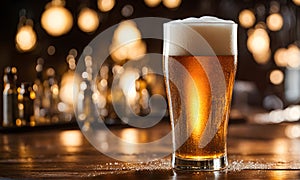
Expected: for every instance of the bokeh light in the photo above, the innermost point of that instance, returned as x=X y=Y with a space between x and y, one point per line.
x=280 y=57
x=105 y=5
x=262 y=57
x=292 y=113
x=128 y=84
x=71 y=138
x=288 y=57
x=126 y=33
x=258 y=41
x=88 y=20
x=260 y=9
x=152 y=3
x=274 y=7
x=73 y=52
x=293 y=56
x=247 y=18
x=69 y=87
x=51 y=50
x=293 y=131
x=127 y=10
x=289 y=114
x=275 y=22
x=56 y=20
x=26 y=38
x=258 y=44
x=171 y=4
x=297 y=2
x=271 y=102
x=276 y=77
x=127 y=43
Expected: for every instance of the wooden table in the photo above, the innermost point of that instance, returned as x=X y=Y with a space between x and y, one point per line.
x=254 y=152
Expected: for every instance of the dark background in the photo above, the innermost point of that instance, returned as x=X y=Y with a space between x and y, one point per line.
x=248 y=69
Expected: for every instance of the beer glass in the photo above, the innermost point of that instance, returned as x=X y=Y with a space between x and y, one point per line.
x=199 y=62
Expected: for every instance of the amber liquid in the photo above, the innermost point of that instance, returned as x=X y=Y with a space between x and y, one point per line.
x=190 y=107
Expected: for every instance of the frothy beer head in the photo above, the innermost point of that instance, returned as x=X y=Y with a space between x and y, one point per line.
x=206 y=36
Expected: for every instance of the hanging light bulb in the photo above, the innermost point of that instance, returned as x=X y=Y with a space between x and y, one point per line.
x=56 y=19
x=171 y=4
x=88 y=20
x=26 y=38
x=152 y=3
x=297 y=2
x=105 y=5
x=127 y=43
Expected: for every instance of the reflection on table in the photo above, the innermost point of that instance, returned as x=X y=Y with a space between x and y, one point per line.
x=255 y=151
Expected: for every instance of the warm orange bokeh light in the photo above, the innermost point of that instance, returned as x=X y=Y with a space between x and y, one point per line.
x=276 y=77
x=26 y=38
x=258 y=41
x=293 y=130
x=247 y=18
x=280 y=57
x=127 y=43
x=71 y=138
x=88 y=20
x=262 y=57
x=69 y=87
x=57 y=20
x=171 y=3
x=105 y=5
x=258 y=44
x=288 y=57
x=275 y=22
x=293 y=56
x=128 y=85
x=152 y=3
x=297 y=2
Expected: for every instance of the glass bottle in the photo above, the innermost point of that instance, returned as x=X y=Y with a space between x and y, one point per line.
x=10 y=97
x=38 y=88
x=86 y=103
x=51 y=97
x=69 y=88
x=25 y=104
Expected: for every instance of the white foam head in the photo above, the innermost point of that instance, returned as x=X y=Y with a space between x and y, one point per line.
x=200 y=36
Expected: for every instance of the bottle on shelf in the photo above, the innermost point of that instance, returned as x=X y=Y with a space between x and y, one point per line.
x=26 y=98
x=88 y=96
x=10 y=97
x=69 y=88
x=51 y=97
x=38 y=88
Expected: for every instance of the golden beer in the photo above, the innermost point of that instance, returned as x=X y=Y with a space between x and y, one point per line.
x=199 y=90
x=216 y=148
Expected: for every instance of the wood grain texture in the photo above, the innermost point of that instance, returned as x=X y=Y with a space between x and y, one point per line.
x=254 y=152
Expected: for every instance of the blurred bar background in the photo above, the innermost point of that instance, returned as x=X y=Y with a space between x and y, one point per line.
x=45 y=52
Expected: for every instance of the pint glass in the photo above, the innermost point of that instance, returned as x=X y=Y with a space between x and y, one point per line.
x=199 y=62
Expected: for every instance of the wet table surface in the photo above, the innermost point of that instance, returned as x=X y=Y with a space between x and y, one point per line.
x=254 y=152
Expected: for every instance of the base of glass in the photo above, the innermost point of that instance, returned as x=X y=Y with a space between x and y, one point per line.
x=200 y=165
